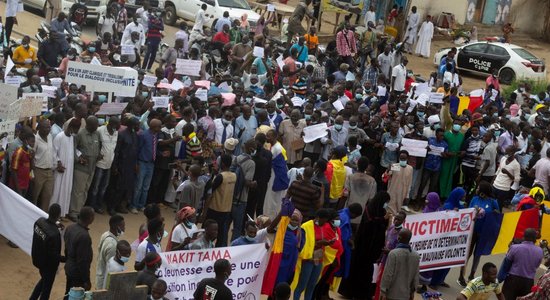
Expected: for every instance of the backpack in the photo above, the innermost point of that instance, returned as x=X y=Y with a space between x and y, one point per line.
x=241 y=181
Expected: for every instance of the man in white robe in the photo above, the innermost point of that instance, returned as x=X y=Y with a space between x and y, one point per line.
x=412 y=28
x=425 y=36
x=63 y=145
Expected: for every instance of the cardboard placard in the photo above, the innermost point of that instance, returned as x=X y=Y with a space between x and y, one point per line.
x=188 y=67
x=111 y=109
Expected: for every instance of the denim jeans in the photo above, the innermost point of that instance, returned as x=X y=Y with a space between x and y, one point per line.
x=151 y=53
x=144 y=177
x=99 y=186
x=237 y=215
x=308 y=279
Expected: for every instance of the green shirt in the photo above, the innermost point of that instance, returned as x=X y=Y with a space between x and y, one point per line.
x=88 y=145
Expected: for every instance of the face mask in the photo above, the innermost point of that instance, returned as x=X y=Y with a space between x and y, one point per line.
x=102 y=98
x=385 y=205
x=336 y=223
x=253 y=153
x=399 y=227
x=291 y=227
x=403 y=163
x=307 y=117
x=145 y=94
x=463 y=203
x=225 y=122
x=358 y=96
x=526 y=116
x=456 y=127
x=495 y=114
x=248 y=99
x=71 y=57
x=353 y=127
x=280 y=106
x=318 y=97
x=411 y=126
x=420 y=114
x=508 y=117
x=285 y=87
x=250 y=239
x=338 y=127
x=91 y=49
x=401 y=111
x=119 y=232
x=124 y=259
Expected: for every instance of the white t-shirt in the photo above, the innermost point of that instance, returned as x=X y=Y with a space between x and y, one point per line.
x=142 y=250
x=108 y=144
x=181 y=232
x=112 y=267
x=400 y=74
x=106 y=24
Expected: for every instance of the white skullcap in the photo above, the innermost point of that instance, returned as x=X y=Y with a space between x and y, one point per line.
x=433 y=119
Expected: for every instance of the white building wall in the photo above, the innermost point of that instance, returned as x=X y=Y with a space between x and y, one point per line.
x=436 y=7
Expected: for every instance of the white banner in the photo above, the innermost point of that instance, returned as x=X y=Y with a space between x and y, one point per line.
x=17 y=217
x=441 y=238
x=183 y=270
x=103 y=78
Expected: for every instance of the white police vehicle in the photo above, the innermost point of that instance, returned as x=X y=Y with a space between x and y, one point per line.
x=510 y=60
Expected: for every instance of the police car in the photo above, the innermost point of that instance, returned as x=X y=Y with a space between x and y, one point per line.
x=482 y=57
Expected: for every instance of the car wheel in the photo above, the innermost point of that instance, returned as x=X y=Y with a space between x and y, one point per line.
x=506 y=76
x=170 y=15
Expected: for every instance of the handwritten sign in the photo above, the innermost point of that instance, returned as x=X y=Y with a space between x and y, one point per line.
x=338 y=105
x=177 y=85
x=161 y=102
x=202 y=94
x=415 y=148
x=31 y=104
x=9 y=128
x=13 y=80
x=8 y=94
x=127 y=49
x=311 y=133
x=436 y=97
x=149 y=80
x=188 y=67
x=49 y=91
x=111 y=109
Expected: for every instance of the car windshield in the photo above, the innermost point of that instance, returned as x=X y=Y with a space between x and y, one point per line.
x=242 y=4
x=524 y=53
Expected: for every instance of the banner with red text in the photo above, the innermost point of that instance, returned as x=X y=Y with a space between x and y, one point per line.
x=441 y=238
x=183 y=270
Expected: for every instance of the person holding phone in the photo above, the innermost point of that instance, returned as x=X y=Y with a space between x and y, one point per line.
x=184 y=231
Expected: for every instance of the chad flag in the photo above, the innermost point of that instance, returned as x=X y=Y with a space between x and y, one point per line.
x=471 y=102
x=500 y=229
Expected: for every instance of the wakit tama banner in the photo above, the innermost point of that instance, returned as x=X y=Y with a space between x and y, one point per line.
x=441 y=238
x=98 y=78
x=183 y=270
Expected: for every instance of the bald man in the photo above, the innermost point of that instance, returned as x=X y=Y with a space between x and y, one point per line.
x=147 y=145
x=87 y=152
x=400 y=275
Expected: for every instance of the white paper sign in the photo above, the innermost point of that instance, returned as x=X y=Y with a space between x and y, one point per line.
x=436 y=97
x=122 y=81
x=31 y=104
x=95 y=61
x=297 y=101
x=49 y=91
x=494 y=94
x=314 y=132
x=8 y=94
x=280 y=62
x=177 y=85
x=436 y=151
x=9 y=128
x=258 y=52
x=338 y=105
x=270 y=7
x=161 y=102
x=202 y=94
x=13 y=80
x=423 y=88
x=224 y=87
x=422 y=99
x=188 y=67
x=9 y=67
x=127 y=50
x=56 y=82
x=415 y=148
x=149 y=80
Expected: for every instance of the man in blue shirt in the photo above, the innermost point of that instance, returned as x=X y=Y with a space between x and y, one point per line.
x=147 y=145
x=223 y=21
x=302 y=50
x=249 y=236
x=245 y=128
x=437 y=149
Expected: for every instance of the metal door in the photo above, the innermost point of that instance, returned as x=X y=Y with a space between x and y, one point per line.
x=490 y=12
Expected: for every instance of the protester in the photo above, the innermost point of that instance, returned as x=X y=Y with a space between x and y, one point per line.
x=108 y=248
x=215 y=287
x=484 y=285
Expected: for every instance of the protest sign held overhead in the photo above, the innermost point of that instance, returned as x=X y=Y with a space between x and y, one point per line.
x=103 y=78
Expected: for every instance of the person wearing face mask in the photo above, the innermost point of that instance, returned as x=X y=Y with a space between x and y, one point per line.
x=185 y=231
x=249 y=237
x=155 y=228
x=487 y=159
x=48 y=52
x=224 y=128
x=390 y=143
x=108 y=248
x=274 y=116
x=454 y=139
x=438 y=148
x=208 y=287
x=90 y=52
x=434 y=122
x=63 y=144
x=345 y=216
x=470 y=151
x=24 y=56
x=353 y=130
x=71 y=56
x=337 y=136
x=60 y=25
x=399 y=183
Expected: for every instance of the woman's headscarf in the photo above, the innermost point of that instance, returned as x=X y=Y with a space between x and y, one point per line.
x=514 y=108
x=453 y=201
x=433 y=203
x=244 y=21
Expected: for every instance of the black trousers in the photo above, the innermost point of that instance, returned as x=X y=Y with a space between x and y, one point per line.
x=8 y=27
x=516 y=286
x=43 y=288
x=159 y=184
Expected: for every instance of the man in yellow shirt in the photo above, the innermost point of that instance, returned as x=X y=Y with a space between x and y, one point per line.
x=24 y=56
x=481 y=288
x=312 y=40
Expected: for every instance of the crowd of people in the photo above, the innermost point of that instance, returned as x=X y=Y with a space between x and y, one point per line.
x=237 y=161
